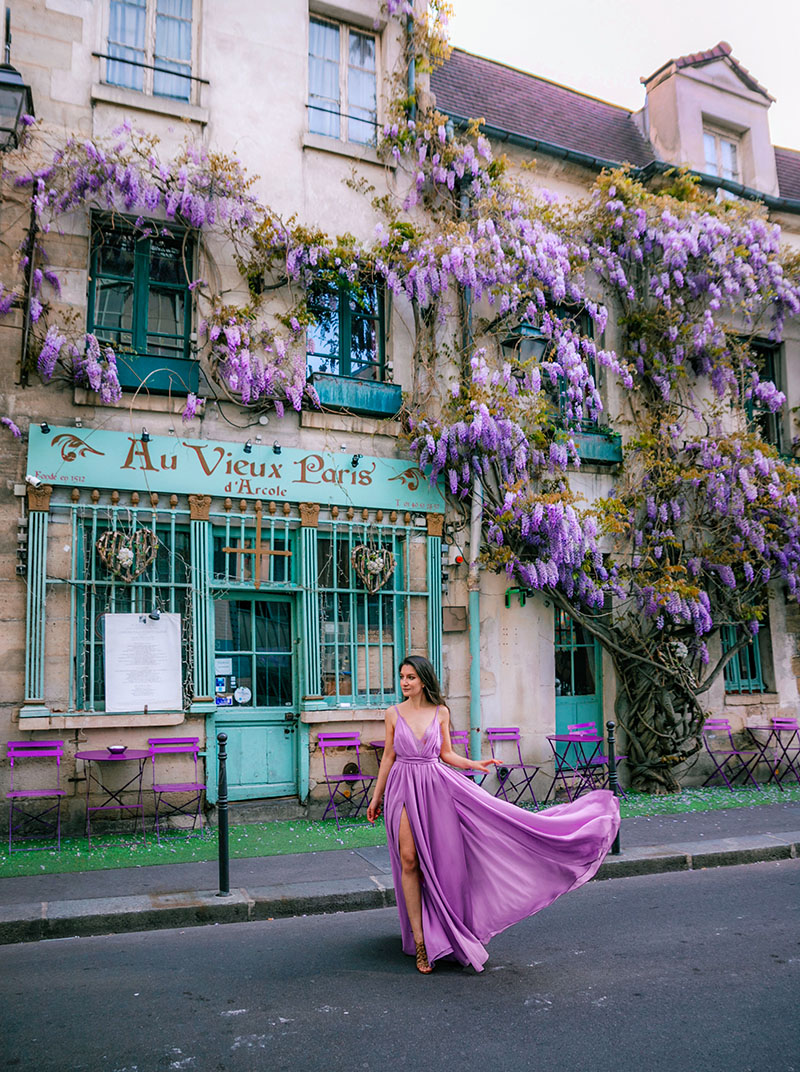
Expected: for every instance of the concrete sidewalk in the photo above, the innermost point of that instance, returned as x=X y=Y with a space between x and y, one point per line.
x=185 y=895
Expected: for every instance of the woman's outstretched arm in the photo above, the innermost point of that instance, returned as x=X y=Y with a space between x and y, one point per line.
x=453 y=759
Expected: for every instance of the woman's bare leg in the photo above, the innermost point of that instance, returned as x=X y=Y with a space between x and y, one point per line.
x=410 y=877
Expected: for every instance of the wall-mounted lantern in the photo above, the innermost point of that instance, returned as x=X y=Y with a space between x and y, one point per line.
x=16 y=99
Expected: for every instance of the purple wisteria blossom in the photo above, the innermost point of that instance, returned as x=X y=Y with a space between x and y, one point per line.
x=9 y=424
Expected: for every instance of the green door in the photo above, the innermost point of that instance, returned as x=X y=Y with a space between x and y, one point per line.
x=256 y=693
x=579 y=684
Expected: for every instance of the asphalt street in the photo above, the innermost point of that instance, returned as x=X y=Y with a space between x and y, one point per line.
x=693 y=971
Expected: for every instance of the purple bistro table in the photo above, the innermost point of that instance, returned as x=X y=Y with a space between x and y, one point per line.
x=780 y=744
x=112 y=797
x=576 y=760
x=377 y=747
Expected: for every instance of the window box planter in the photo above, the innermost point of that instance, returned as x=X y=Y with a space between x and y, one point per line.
x=163 y=374
x=370 y=397
x=599 y=447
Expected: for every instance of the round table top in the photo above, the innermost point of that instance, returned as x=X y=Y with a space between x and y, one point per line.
x=592 y=738
x=101 y=755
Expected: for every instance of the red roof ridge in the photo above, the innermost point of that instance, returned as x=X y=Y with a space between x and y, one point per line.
x=722 y=50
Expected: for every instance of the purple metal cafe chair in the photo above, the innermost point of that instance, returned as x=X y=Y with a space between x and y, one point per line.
x=786 y=735
x=460 y=740
x=730 y=763
x=514 y=778
x=176 y=798
x=25 y=821
x=349 y=790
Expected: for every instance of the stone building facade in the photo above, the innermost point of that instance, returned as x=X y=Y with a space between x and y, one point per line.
x=251 y=530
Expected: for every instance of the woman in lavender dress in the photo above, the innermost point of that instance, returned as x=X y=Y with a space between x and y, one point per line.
x=466 y=865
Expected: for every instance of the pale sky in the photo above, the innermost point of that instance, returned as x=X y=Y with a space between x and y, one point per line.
x=603 y=47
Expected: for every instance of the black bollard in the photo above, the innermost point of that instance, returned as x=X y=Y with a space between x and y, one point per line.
x=222 y=812
x=613 y=782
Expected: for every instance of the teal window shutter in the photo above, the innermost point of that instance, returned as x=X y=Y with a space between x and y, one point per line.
x=743 y=673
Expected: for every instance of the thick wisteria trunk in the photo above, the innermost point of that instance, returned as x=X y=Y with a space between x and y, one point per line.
x=661 y=717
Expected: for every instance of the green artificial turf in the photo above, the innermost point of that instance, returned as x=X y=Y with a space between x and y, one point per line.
x=278 y=838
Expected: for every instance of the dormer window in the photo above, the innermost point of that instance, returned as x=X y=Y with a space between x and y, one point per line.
x=721 y=154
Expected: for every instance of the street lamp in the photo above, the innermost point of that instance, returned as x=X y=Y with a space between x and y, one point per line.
x=526 y=342
x=16 y=99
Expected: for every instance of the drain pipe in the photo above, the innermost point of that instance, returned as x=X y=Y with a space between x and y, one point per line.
x=474 y=589
x=412 y=64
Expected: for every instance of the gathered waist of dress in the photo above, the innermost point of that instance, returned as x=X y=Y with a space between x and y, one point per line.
x=416 y=759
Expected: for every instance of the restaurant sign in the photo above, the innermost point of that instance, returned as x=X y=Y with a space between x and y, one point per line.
x=88 y=458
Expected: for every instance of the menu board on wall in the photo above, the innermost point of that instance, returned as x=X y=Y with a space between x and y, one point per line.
x=143 y=662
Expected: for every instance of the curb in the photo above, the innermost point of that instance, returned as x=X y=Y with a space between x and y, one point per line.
x=697 y=855
x=117 y=915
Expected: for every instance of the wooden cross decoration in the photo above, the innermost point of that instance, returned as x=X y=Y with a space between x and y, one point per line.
x=258 y=549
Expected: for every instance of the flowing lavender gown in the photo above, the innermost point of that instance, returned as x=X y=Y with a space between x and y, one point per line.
x=485 y=863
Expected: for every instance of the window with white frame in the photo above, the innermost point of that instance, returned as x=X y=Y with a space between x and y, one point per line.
x=150 y=45
x=721 y=150
x=342 y=82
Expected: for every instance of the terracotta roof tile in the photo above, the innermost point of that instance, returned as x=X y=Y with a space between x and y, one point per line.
x=471 y=87
x=719 y=52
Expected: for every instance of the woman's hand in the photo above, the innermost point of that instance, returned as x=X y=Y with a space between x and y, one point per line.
x=374 y=810
x=483 y=765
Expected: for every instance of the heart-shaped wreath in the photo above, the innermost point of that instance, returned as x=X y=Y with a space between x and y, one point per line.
x=127 y=555
x=374 y=565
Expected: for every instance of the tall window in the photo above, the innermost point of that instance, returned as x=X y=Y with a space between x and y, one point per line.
x=721 y=154
x=151 y=42
x=139 y=301
x=342 y=83
x=347 y=336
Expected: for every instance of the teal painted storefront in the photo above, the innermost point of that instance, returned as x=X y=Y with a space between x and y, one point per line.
x=255 y=552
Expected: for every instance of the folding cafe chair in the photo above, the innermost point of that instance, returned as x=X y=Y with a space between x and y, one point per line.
x=25 y=820
x=460 y=739
x=786 y=738
x=170 y=798
x=514 y=778
x=730 y=763
x=351 y=789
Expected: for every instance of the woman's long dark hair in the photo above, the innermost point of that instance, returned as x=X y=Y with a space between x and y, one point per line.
x=423 y=668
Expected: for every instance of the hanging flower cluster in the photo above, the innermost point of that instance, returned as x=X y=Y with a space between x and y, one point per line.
x=682 y=270
x=197 y=188
x=254 y=362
